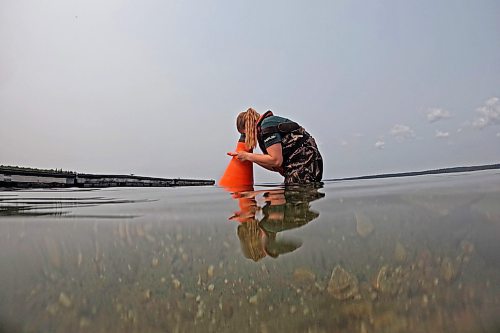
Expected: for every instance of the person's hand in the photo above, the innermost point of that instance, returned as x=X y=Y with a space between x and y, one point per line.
x=240 y=155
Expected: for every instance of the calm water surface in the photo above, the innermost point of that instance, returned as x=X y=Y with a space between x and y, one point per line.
x=415 y=254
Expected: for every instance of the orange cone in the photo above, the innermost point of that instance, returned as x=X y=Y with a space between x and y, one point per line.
x=246 y=203
x=238 y=174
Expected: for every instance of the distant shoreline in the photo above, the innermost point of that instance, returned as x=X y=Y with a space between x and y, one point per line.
x=420 y=173
x=21 y=177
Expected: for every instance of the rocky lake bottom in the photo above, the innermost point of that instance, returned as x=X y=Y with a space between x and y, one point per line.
x=411 y=254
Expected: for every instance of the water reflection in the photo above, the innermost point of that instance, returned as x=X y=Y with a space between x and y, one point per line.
x=396 y=257
x=37 y=206
x=265 y=213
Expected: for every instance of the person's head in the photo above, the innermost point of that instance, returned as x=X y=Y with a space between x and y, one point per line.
x=250 y=236
x=245 y=123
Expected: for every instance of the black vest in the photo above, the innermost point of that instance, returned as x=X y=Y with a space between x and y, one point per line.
x=284 y=129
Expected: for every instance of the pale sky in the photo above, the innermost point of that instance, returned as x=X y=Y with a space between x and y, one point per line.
x=153 y=87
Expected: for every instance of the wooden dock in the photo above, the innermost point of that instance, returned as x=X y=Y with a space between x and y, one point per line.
x=16 y=177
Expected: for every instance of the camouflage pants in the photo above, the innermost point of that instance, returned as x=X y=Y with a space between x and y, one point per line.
x=302 y=162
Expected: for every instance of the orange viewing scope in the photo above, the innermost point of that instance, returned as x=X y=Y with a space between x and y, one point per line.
x=238 y=173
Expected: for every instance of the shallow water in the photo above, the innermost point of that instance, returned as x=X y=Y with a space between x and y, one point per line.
x=414 y=254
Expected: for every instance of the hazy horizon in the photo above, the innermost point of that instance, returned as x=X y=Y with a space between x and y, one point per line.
x=153 y=88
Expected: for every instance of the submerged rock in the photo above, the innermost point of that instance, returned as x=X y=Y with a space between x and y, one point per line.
x=388 y=280
x=147 y=294
x=210 y=271
x=488 y=208
x=448 y=269
x=64 y=300
x=53 y=308
x=390 y=321
x=399 y=252
x=342 y=285
x=304 y=275
x=84 y=322
x=154 y=262
x=253 y=299
x=467 y=247
x=79 y=259
x=364 y=225
x=357 y=310
x=176 y=283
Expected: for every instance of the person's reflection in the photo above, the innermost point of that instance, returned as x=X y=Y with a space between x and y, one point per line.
x=265 y=213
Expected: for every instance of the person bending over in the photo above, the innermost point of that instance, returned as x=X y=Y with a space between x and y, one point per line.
x=286 y=146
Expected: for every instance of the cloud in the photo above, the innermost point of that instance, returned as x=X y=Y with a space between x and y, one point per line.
x=435 y=114
x=489 y=114
x=442 y=135
x=379 y=144
x=402 y=131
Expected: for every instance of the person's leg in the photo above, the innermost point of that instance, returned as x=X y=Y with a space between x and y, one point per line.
x=318 y=168
x=306 y=169
x=304 y=162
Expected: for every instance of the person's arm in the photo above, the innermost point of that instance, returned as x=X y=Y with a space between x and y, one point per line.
x=271 y=161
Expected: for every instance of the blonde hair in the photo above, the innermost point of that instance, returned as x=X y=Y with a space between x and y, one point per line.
x=246 y=123
x=249 y=234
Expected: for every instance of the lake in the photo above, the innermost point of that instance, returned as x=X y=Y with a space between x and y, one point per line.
x=410 y=254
